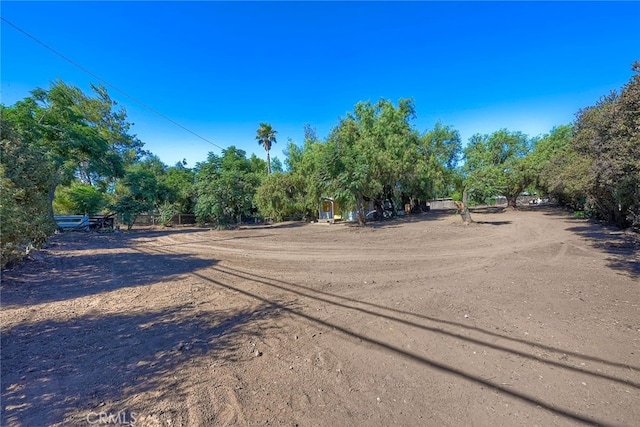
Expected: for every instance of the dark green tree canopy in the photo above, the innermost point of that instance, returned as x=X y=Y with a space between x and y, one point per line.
x=607 y=138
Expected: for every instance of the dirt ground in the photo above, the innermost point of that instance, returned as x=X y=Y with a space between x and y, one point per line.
x=527 y=317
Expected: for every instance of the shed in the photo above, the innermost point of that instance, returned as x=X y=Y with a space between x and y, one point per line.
x=329 y=210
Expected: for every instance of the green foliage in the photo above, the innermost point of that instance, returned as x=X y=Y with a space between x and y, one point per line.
x=606 y=142
x=595 y=165
x=258 y=166
x=166 y=212
x=372 y=152
x=563 y=172
x=127 y=209
x=25 y=225
x=79 y=198
x=498 y=164
x=281 y=195
x=179 y=185
x=25 y=174
x=139 y=190
x=293 y=155
x=310 y=173
x=369 y=152
x=155 y=185
x=60 y=136
x=225 y=187
x=83 y=136
x=436 y=154
x=276 y=165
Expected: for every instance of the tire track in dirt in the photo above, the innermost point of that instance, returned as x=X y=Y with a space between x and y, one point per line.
x=413 y=320
x=530 y=244
x=373 y=332
x=335 y=301
x=415 y=357
x=215 y=405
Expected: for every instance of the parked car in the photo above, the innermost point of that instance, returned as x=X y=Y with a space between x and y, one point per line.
x=72 y=222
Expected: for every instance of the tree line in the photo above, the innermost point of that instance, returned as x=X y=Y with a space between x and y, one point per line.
x=63 y=151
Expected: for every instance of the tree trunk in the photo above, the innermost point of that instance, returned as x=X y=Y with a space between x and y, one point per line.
x=52 y=194
x=362 y=219
x=463 y=208
x=512 y=199
x=268 y=163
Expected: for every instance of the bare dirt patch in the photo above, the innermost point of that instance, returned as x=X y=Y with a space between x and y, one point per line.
x=526 y=318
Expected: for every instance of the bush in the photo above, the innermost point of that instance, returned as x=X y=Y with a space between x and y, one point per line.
x=579 y=214
x=167 y=211
x=127 y=209
x=79 y=198
x=23 y=227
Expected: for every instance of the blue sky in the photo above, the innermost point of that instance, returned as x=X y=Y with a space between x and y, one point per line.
x=221 y=68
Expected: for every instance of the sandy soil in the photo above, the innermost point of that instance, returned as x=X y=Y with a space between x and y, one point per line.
x=527 y=317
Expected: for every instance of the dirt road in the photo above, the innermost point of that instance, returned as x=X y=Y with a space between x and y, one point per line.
x=526 y=317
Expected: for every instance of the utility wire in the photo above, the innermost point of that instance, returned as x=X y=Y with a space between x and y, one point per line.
x=75 y=64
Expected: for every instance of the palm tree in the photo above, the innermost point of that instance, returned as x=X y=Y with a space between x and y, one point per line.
x=266 y=136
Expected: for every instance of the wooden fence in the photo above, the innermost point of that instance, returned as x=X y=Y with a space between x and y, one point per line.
x=179 y=219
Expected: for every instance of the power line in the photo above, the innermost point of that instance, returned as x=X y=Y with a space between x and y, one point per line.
x=75 y=64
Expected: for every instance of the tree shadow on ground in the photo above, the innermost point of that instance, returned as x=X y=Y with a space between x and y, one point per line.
x=49 y=279
x=345 y=302
x=493 y=222
x=553 y=209
x=275 y=225
x=151 y=231
x=432 y=215
x=52 y=369
x=487 y=209
x=208 y=241
x=80 y=240
x=623 y=247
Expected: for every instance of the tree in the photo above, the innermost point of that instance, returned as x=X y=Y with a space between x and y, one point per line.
x=281 y=195
x=436 y=155
x=293 y=156
x=180 y=184
x=463 y=207
x=82 y=137
x=25 y=174
x=225 y=187
x=140 y=190
x=607 y=140
x=595 y=163
x=123 y=149
x=257 y=165
x=276 y=165
x=498 y=164
x=79 y=198
x=266 y=136
x=369 y=152
x=563 y=173
x=309 y=169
